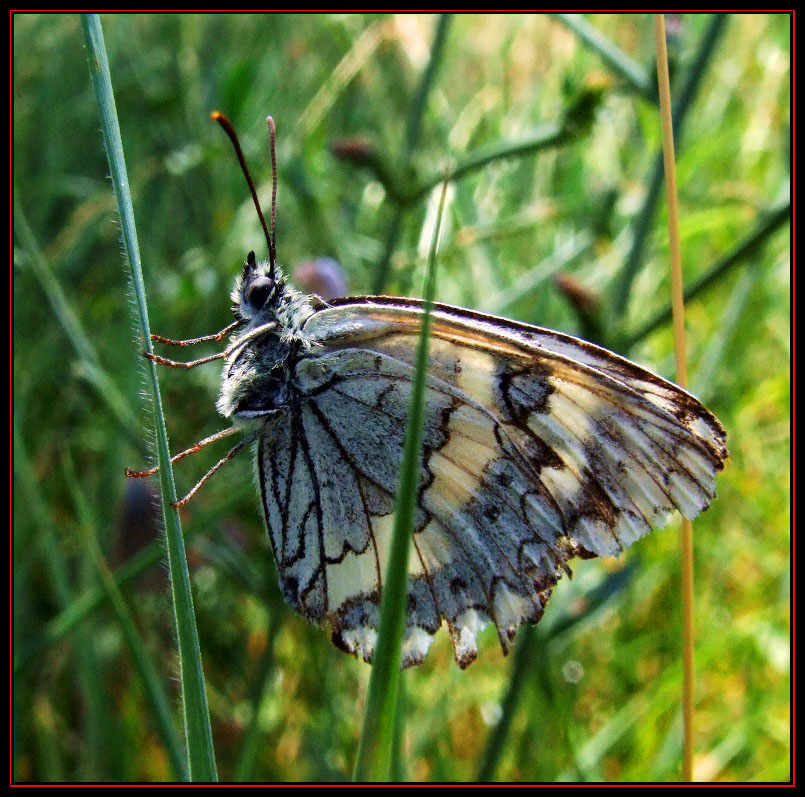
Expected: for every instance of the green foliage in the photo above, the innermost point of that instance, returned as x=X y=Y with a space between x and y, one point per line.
x=592 y=699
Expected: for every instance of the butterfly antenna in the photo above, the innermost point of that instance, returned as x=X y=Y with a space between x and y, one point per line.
x=216 y=116
x=272 y=130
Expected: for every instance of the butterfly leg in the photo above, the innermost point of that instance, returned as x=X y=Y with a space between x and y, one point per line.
x=233 y=452
x=140 y=474
x=174 y=364
x=217 y=337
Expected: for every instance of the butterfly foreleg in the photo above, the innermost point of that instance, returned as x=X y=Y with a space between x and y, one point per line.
x=215 y=338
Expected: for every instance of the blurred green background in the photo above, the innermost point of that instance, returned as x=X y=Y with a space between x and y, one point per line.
x=568 y=232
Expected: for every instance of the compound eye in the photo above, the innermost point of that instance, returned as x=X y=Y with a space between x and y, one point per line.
x=259 y=292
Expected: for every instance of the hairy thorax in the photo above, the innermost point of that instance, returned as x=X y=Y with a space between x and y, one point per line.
x=256 y=377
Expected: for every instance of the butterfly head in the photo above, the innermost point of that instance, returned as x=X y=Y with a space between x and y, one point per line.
x=262 y=297
x=257 y=291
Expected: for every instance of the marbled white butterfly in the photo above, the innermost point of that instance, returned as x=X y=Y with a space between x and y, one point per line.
x=538 y=447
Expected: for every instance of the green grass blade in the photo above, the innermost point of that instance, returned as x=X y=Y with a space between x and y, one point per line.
x=713 y=361
x=375 y=752
x=769 y=224
x=413 y=134
x=252 y=738
x=533 y=639
x=154 y=691
x=414 y=128
x=498 y=736
x=90 y=364
x=85 y=665
x=397 y=768
x=201 y=757
x=85 y=605
x=547 y=135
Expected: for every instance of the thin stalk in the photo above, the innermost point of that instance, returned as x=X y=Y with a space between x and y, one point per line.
x=680 y=351
x=201 y=756
x=85 y=605
x=712 y=363
x=390 y=244
x=250 y=743
x=541 y=638
x=529 y=281
x=414 y=129
x=496 y=741
x=155 y=693
x=547 y=135
x=85 y=665
x=380 y=723
x=91 y=367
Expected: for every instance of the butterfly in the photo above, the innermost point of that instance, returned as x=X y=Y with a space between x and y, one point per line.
x=538 y=447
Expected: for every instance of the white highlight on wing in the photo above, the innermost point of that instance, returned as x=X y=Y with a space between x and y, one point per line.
x=355 y=574
x=464 y=634
x=476 y=377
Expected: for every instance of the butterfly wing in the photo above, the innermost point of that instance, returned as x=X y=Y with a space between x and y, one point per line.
x=537 y=447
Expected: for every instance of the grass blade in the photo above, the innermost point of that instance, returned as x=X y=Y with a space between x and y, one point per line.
x=413 y=133
x=750 y=245
x=90 y=364
x=83 y=606
x=85 y=664
x=539 y=638
x=380 y=725
x=201 y=757
x=155 y=693
x=547 y=135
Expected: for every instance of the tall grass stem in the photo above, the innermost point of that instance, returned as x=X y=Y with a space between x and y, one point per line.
x=201 y=757
x=680 y=349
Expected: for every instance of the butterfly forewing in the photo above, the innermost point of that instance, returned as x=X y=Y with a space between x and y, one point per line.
x=537 y=447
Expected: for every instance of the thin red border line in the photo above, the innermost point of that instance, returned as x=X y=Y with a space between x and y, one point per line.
x=290 y=11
